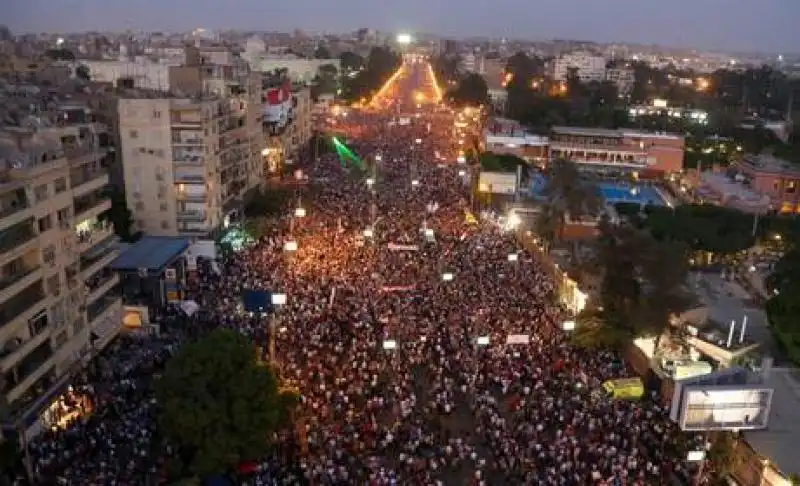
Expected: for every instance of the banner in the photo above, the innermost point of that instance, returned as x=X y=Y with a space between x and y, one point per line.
x=397 y=288
x=518 y=339
x=396 y=247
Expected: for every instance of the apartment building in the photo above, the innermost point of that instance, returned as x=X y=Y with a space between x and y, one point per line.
x=188 y=162
x=588 y=67
x=59 y=301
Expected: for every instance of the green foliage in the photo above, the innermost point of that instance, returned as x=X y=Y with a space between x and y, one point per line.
x=119 y=215
x=598 y=330
x=566 y=195
x=350 y=61
x=446 y=68
x=783 y=309
x=326 y=81
x=470 y=91
x=702 y=227
x=380 y=66
x=268 y=203
x=722 y=453
x=493 y=162
x=322 y=52
x=218 y=406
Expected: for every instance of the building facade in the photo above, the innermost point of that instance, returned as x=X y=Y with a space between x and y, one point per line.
x=589 y=67
x=773 y=177
x=626 y=150
x=59 y=301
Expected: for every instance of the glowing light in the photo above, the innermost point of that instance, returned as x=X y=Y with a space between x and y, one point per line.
x=386 y=86
x=702 y=84
x=437 y=90
x=404 y=39
x=513 y=221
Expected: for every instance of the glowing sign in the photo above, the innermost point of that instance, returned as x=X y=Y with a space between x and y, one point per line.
x=404 y=38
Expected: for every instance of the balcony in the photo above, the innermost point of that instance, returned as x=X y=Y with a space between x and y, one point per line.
x=82 y=154
x=16 y=349
x=21 y=307
x=188 y=141
x=189 y=160
x=92 y=232
x=32 y=367
x=190 y=197
x=86 y=181
x=14 y=208
x=100 y=284
x=190 y=178
x=191 y=215
x=16 y=240
x=92 y=205
x=105 y=319
x=14 y=282
x=97 y=258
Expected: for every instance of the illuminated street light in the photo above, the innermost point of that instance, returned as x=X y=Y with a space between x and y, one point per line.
x=278 y=299
x=300 y=212
x=404 y=39
x=378 y=158
x=370 y=181
x=415 y=183
x=418 y=141
x=368 y=233
x=513 y=257
x=462 y=173
x=447 y=277
x=513 y=221
x=290 y=246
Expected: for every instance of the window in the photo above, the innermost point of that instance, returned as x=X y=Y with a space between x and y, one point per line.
x=163 y=207
x=63 y=218
x=45 y=223
x=49 y=254
x=60 y=185
x=133 y=134
x=156 y=114
x=40 y=192
x=142 y=150
x=165 y=225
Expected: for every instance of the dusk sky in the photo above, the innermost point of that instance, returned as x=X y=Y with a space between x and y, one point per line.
x=731 y=25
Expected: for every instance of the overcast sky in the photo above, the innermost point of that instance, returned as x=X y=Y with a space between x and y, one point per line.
x=732 y=25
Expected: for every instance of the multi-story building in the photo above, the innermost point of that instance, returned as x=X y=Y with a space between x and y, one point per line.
x=775 y=178
x=190 y=158
x=588 y=67
x=59 y=301
x=623 y=79
x=601 y=149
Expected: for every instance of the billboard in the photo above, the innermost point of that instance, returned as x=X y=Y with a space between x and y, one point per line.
x=731 y=399
x=498 y=182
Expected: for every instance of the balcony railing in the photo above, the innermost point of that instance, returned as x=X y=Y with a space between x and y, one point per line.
x=86 y=177
x=192 y=215
x=14 y=207
x=20 y=303
x=12 y=278
x=16 y=236
x=96 y=229
x=84 y=203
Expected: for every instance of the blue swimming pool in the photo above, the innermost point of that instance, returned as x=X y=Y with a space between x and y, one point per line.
x=612 y=192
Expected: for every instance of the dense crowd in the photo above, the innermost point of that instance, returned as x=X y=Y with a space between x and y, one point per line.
x=438 y=407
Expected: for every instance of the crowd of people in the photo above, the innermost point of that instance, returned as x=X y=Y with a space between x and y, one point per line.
x=380 y=334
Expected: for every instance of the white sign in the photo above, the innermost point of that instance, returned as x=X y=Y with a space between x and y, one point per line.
x=447 y=277
x=518 y=339
x=389 y=344
x=568 y=325
x=483 y=341
x=497 y=182
x=278 y=299
x=396 y=247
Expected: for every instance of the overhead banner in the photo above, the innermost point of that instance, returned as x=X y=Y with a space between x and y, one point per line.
x=397 y=288
x=396 y=247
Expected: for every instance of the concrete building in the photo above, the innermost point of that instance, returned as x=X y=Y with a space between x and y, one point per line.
x=770 y=176
x=623 y=79
x=188 y=162
x=504 y=136
x=589 y=67
x=142 y=72
x=59 y=301
x=297 y=69
x=627 y=150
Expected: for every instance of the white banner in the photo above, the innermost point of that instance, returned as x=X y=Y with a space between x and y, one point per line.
x=396 y=247
x=518 y=339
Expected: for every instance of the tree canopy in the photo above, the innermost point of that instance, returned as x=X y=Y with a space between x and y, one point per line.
x=350 y=61
x=380 y=66
x=783 y=309
x=322 y=52
x=471 y=90
x=218 y=405
x=493 y=162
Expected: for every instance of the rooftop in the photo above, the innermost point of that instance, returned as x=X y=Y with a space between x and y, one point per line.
x=770 y=164
x=609 y=133
x=776 y=442
x=153 y=253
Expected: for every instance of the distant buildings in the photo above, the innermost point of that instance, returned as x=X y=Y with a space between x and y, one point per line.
x=588 y=67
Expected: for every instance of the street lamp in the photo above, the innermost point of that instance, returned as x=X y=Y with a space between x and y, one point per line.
x=513 y=257
x=418 y=141
x=415 y=182
x=370 y=181
x=290 y=246
x=300 y=212
x=278 y=300
x=368 y=233
x=447 y=277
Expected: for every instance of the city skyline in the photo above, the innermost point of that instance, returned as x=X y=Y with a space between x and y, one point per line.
x=710 y=25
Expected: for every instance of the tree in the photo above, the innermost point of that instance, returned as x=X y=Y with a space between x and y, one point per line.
x=119 y=215
x=471 y=91
x=568 y=195
x=268 y=203
x=322 y=52
x=82 y=72
x=783 y=309
x=446 y=68
x=325 y=81
x=380 y=66
x=218 y=405
x=350 y=61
